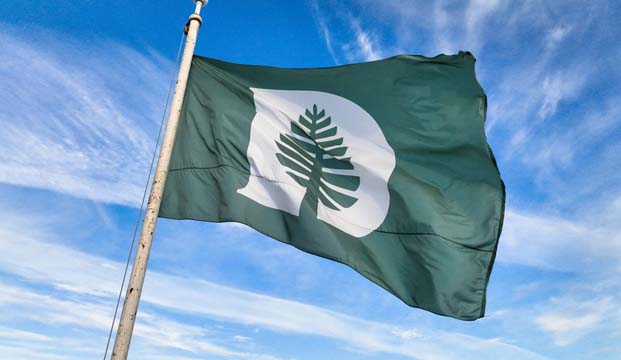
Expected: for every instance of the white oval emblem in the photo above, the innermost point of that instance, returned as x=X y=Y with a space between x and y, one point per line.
x=322 y=148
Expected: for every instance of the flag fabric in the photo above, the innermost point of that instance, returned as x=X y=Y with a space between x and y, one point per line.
x=383 y=166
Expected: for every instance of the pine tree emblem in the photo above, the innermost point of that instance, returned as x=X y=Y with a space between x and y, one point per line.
x=311 y=153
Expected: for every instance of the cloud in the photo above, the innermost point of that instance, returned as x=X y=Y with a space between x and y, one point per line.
x=588 y=311
x=575 y=320
x=13 y=334
x=556 y=243
x=33 y=350
x=433 y=27
x=362 y=45
x=365 y=46
x=528 y=94
x=556 y=35
x=476 y=13
x=72 y=273
x=573 y=317
x=324 y=30
x=78 y=118
x=556 y=88
x=95 y=314
x=577 y=158
x=442 y=38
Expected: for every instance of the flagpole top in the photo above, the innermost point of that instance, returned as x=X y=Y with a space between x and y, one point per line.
x=202 y=2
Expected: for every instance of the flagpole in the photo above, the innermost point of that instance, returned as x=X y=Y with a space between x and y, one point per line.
x=134 y=288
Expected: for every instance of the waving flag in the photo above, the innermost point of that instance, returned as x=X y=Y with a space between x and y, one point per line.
x=382 y=166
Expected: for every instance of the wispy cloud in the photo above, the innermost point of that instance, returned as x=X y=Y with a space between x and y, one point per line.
x=576 y=157
x=441 y=36
x=572 y=320
x=365 y=46
x=324 y=30
x=78 y=118
x=93 y=315
x=576 y=317
x=476 y=13
x=557 y=35
x=433 y=27
x=78 y=273
x=555 y=243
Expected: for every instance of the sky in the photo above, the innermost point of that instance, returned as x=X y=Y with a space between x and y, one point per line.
x=82 y=90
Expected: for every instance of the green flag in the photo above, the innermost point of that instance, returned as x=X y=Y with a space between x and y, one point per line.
x=382 y=166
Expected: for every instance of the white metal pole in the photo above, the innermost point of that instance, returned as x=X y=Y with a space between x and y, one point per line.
x=134 y=288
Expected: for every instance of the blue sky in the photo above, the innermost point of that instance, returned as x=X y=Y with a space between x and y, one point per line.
x=83 y=86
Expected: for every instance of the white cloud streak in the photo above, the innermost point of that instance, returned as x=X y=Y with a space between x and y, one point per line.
x=573 y=320
x=557 y=35
x=435 y=27
x=78 y=118
x=365 y=46
x=324 y=30
x=555 y=243
x=95 y=314
x=477 y=12
x=77 y=272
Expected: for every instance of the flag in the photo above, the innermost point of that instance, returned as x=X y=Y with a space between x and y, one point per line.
x=382 y=166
